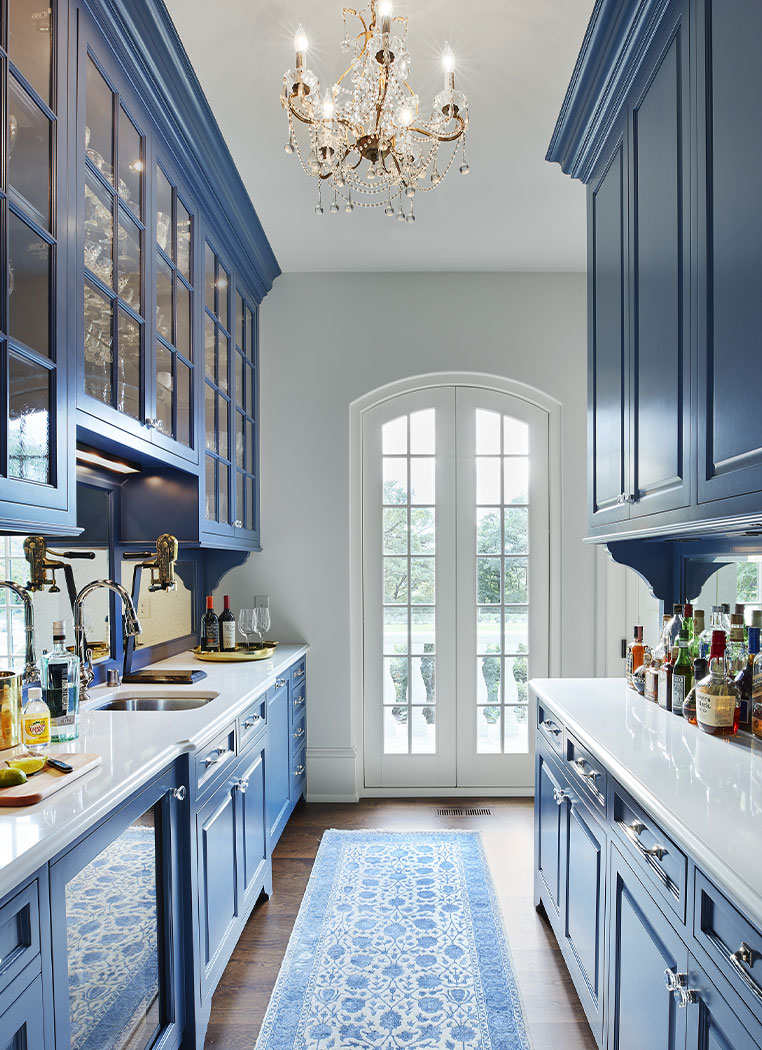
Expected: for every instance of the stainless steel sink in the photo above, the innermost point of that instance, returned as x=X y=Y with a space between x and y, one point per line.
x=157 y=703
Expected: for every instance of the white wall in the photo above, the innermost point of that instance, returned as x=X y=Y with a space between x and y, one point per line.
x=327 y=339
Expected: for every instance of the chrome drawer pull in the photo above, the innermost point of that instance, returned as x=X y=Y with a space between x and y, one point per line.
x=745 y=954
x=279 y=683
x=560 y=796
x=250 y=722
x=179 y=793
x=299 y=732
x=550 y=727
x=298 y=700
x=633 y=832
x=214 y=756
x=299 y=770
x=591 y=774
x=242 y=784
x=299 y=673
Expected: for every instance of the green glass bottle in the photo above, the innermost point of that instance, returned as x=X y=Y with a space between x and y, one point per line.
x=682 y=673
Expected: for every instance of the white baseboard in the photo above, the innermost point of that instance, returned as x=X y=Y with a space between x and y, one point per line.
x=331 y=774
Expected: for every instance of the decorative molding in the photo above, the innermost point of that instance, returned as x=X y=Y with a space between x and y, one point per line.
x=616 y=41
x=331 y=774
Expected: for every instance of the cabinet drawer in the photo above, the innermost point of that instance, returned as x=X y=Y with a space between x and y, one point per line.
x=730 y=941
x=214 y=758
x=19 y=933
x=298 y=770
x=298 y=730
x=655 y=856
x=21 y=1018
x=251 y=722
x=298 y=702
x=298 y=671
x=551 y=730
x=584 y=770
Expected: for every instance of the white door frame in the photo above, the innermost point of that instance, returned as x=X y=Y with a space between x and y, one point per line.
x=356 y=612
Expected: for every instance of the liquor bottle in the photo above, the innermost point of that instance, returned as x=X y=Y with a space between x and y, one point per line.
x=664 y=687
x=688 y=619
x=210 y=628
x=59 y=675
x=745 y=681
x=227 y=627
x=715 y=624
x=756 y=693
x=658 y=656
x=740 y=610
x=682 y=674
x=700 y=669
x=725 y=616
x=736 y=653
x=717 y=704
x=698 y=628
x=636 y=652
x=756 y=618
x=35 y=723
x=675 y=623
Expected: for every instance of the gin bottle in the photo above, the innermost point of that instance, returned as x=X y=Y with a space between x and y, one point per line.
x=59 y=674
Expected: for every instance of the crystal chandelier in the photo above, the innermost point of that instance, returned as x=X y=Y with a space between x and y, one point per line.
x=364 y=139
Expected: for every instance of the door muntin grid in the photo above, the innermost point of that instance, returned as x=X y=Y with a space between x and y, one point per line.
x=409 y=571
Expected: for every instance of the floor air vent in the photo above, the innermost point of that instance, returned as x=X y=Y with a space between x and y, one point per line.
x=464 y=812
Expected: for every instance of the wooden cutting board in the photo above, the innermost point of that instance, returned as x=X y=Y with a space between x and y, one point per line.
x=49 y=780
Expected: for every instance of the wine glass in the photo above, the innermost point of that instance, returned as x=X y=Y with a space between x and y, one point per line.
x=247 y=625
x=263 y=622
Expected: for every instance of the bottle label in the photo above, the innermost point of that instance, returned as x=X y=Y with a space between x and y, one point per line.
x=678 y=692
x=228 y=635
x=663 y=692
x=652 y=687
x=756 y=685
x=715 y=711
x=35 y=729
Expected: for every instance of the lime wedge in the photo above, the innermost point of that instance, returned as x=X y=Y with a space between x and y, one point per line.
x=12 y=777
x=28 y=765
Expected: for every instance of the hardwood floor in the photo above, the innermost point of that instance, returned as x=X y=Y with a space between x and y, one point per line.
x=552 y=1010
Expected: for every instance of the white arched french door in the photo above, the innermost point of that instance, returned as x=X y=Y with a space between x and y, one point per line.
x=455 y=544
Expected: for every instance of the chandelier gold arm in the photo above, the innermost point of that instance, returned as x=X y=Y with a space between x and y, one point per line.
x=444 y=138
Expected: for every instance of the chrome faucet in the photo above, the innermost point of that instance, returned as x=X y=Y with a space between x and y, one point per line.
x=31 y=672
x=131 y=627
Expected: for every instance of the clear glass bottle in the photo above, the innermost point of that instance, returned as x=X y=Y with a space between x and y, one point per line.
x=700 y=671
x=740 y=610
x=715 y=624
x=698 y=629
x=725 y=607
x=59 y=674
x=664 y=696
x=756 y=695
x=736 y=652
x=675 y=623
x=35 y=722
x=717 y=705
x=636 y=653
x=682 y=673
x=745 y=681
x=658 y=656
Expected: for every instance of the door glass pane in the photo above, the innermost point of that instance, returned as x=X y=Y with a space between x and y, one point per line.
x=184 y=402
x=487 y=433
x=163 y=212
x=395 y=730
x=516 y=530
x=515 y=437
x=516 y=729
x=240 y=502
x=250 y=447
x=240 y=390
x=516 y=580
x=423 y=731
x=240 y=429
x=209 y=279
x=128 y=380
x=422 y=480
x=99 y=345
x=99 y=131
x=395 y=534
x=164 y=388
x=240 y=321
x=251 y=330
x=422 y=530
x=183 y=240
x=210 y=502
x=516 y=479
x=422 y=581
x=28 y=420
x=488 y=730
x=29 y=152
x=210 y=425
x=129 y=261
x=222 y=424
x=209 y=348
x=30 y=36
x=224 y=483
x=422 y=435
x=28 y=286
x=488 y=480
x=395 y=480
x=249 y=517
x=423 y=629
x=99 y=232
x=163 y=298
x=130 y=164
x=222 y=295
x=183 y=320
x=223 y=363
x=395 y=630
x=488 y=530
x=112 y=940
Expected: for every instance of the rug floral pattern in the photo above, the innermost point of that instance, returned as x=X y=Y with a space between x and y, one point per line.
x=403 y=949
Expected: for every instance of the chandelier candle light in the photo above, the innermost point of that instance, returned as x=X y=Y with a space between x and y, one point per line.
x=367 y=142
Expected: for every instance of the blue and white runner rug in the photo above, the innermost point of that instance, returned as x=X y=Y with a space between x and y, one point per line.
x=398 y=945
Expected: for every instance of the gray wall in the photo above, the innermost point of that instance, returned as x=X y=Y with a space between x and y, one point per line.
x=328 y=339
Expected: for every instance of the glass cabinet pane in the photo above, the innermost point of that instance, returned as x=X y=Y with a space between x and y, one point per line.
x=222 y=426
x=99 y=130
x=163 y=212
x=222 y=295
x=209 y=280
x=240 y=320
x=224 y=483
x=223 y=361
x=99 y=232
x=211 y=489
x=184 y=319
x=29 y=152
x=183 y=240
x=113 y=937
x=128 y=381
x=30 y=40
x=130 y=164
x=129 y=262
x=209 y=417
x=163 y=298
x=28 y=286
x=164 y=388
x=184 y=402
x=28 y=420
x=209 y=349
x=99 y=345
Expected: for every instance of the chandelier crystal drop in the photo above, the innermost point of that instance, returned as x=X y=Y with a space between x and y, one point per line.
x=365 y=136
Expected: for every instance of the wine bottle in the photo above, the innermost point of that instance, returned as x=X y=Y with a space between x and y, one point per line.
x=227 y=627
x=210 y=628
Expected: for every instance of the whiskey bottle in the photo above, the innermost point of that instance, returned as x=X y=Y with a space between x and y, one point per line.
x=657 y=658
x=700 y=669
x=636 y=652
x=210 y=628
x=682 y=674
x=745 y=681
x=717 y=704
x=664 y=694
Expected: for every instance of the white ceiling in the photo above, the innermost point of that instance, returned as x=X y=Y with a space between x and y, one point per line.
x=514 y=211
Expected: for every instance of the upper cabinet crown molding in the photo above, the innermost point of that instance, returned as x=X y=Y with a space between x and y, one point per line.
x=143 y=33
x=616 y=42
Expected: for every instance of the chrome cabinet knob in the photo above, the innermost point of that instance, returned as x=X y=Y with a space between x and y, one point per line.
x=242 y=784
x=238 y=524
x=299 y=770
x=299 y=673
x=560 y=796
x=280 y=682
x=299 y=732
x=677 y=985
x=179 y=793
x=250 y=722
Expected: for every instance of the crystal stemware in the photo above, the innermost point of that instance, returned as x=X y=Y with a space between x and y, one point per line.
x=247 y=625
x=263 y=623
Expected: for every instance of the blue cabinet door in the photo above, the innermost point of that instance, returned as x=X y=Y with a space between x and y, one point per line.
x=217 y=880
x=21 y=1023
x=642 y=1013
x=608 y=374
x=277 y=765
x=712 y=1024
x=253 y=826
x=659 y=321
x=729 y=277
x=548 y=836
x=584 y=900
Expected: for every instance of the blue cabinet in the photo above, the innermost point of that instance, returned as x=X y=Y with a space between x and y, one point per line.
x=21 y=1026
x=252 y=828
x=548 y=835
x=278 y=766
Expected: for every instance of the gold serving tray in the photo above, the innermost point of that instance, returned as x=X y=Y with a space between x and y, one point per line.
x=239 y=654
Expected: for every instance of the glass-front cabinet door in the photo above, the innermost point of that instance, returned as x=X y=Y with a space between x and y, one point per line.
x=246 y=416
x=34 y=468
x=218 y=405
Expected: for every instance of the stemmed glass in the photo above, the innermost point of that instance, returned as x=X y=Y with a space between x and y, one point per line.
x=247 y=624
x=263 y=622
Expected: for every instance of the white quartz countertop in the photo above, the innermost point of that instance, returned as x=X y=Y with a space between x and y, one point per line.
x=134 y=745
x=705 y=791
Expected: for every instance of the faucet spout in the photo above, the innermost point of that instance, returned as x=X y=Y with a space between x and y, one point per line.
x=31 y=672
x=131 y=627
